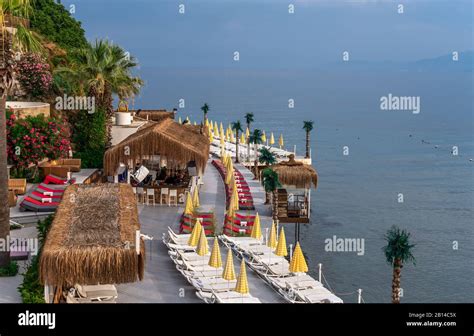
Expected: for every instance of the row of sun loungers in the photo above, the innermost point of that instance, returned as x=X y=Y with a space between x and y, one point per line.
x=46 y=196
x=295 y=288
x=245 y=196
x=208 y=281
x=207 y=219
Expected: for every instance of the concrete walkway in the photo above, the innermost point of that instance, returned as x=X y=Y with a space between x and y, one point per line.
x=162 y=282
x=9 y=285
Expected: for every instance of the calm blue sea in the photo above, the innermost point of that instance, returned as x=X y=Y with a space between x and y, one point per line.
x=357 y=194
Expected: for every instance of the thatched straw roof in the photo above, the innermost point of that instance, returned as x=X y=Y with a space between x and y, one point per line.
x=295 y=173
x=92 y=238
x=154 y=115
x=179 y=143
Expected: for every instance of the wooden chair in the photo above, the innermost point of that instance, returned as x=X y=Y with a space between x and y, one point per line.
x=140 y=195
x=173 y=194
x=150 y=193
x=164 y=192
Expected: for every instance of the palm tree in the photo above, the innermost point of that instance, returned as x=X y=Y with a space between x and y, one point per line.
x=267 y=157
x=100 y=71
x=237 y=127
x=256 y=139
x=271 y=184
x=249 y=119
x=205 y=109
x=308 y=127
x=15 y=36
x=397 y=252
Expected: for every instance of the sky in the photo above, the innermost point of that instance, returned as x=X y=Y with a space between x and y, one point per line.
x=267 y=36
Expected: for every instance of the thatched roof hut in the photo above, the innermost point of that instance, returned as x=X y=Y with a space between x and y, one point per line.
x=92 y=238
x=293 y=173
x=154 y=115
x=177 y=142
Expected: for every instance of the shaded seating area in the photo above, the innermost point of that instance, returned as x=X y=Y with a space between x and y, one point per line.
x=94 y=243
x=161 y=160
x=154 y=115
x=294 y=199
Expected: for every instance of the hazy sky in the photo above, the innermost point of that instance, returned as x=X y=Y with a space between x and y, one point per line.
x=266 y=35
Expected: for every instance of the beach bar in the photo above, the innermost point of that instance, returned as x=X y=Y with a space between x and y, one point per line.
x=160 y=158
x=94 y=239
x=294 y=199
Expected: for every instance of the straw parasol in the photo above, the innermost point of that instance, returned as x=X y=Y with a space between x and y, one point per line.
x=242 y=285
x=93 y=238
x=295 y=173
x=202 y=248
x=272 y=139
x=195 y=234
x=196 y=203
x=180 y=144
x=256 y=229
x=189 y=207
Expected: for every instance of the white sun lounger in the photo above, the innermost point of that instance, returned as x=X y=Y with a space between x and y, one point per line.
x=106 y=292
x=189 y=256
x=201 y=274
x=72 y=298
x=213 y=287
x=226 y=297
x=293 y=281
x=317 y=295
x=184 y=265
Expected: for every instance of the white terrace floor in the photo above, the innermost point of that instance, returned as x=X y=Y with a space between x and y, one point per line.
x=162 y=282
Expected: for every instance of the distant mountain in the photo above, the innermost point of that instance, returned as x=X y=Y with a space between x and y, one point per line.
x=465 y=63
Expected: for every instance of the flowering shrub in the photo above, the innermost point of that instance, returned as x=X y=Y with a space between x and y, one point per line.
x=33 y=139
x=34 y=75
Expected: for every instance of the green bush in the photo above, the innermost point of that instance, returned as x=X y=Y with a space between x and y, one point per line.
x=10 y=270
x=31 y=290
x=53 y=21
x=89 y=137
